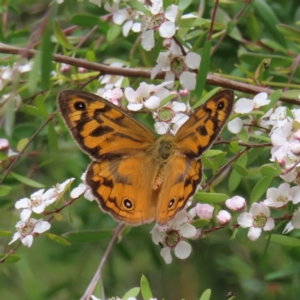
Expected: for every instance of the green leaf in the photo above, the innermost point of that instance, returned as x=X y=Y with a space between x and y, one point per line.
x=131 y=293
x=217 y=161
x=11 y=258
x=58 y=239
x=34 y=73
x=200 y=223
x=61 y=37
x=269 y=170
x=265 y=12
x=260 y=188
x=284 y=240
x=41 y=105
x=5 y=233
x=87 y=236
x=234 y=147
x=234 y=180
x=284 y=272
x=293 y=94
x=31 y=110
x=183 y=4
x=113 y=32
x=21 y=144
x=85 y=20
x=210 y=197
x=26 y=180
x=52 y=136
x=9 y=116
x=206 y=295
x=4 y=190
x=145 y=288
x=46 y=58
x=261 y=138
x=240 y=169
x=213 y=152
x=203 y=69
x=136 y=5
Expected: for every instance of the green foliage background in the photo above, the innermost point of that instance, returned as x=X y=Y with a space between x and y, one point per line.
x=49 y=270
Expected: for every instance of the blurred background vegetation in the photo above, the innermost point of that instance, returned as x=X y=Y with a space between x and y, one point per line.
x=49 y=270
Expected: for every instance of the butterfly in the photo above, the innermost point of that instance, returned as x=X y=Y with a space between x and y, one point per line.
x=135 y=176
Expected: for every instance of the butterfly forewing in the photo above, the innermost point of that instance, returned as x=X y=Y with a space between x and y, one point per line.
x=204 y=125
x=100 y=128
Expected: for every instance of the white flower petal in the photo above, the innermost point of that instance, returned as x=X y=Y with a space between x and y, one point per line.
x=245 y=220
x=25 y=215
x=269 y=225
x=152 y=103
x=192 y=60
x=78 y=191
x=166 y=254
x=41 y=226
x=148 y=40
x=171 y=13
x=167 y=29
x=243 y=106
x=27 y=240
x=120 y=16
x=126 y=27
x=254 y=233
x=22 y=203
x=88 y=195
x=136 y=27
x=289 y=227
x=16 y=236
x=156 y=235
x=187 y=230
x=161 y=127
x=296 y=220
x=135 y=106
x=183 y=250
x=235 y=126
x=187 y=80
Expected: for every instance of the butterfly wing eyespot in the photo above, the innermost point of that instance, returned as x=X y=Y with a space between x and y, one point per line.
x=127 y=204
x=79 y=105
x=172 y=202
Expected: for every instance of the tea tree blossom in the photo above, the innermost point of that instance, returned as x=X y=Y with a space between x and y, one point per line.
x=257 y=219
x=294 y=223
x=236 y=203
x=39 y=200
x=26 y=230
x=204 y=211
x=278 y=197
x=83 y=189
x=223 y=217
x=171 y=236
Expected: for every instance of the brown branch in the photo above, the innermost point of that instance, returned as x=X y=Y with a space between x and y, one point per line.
x=244 y=144
x=212 y=79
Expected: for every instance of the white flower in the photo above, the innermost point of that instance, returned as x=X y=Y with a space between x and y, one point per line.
x=163 y=21
x=236 y=203
x=223 y=217
x=257 y=219
x=147 y=95
x=39 y=200
x=204 y=211
x=113 y=95
x=171 y=236
x=244 y=105
x=278 y=197
x=112 y=81
x=26 y=230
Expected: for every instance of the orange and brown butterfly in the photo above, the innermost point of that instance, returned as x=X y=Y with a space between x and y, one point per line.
x=135 y=176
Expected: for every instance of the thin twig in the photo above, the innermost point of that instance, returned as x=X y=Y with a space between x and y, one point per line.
x=213 y=17
x=212 y=79
x=90 y=289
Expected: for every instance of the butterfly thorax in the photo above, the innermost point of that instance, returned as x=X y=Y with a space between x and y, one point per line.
x=161 y=151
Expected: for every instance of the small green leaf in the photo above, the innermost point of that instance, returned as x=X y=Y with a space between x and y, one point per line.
x=284 y=240
x=261 y=138
x=213 y=152
x=22 y=143
x=87 y=236
x=52 y=136
x=210 y=197
x=269 y=170
x=203 y=69
x=206 y=295
x=260 y=188
x=293 y=94
x=26 y=180
x=4 y=190
x=46 y=61
x=34 y=73
x=31 y=110
x=41 y=105
x=234 y=180
x=136 y=5
x=200 y=223
x=113 y=32
x=58 y=239
x=85 y=20
x=240 y=169
x=11 y=258
x=183 y=4
x=234 y=147
x=60 y=36
x=131 y=293
x=5 y=233
x=145 y=288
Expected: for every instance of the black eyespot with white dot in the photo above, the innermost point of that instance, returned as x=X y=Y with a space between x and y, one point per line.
x=221 y=105
x=128 y=204
x=172 y=202
x=80 y=105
